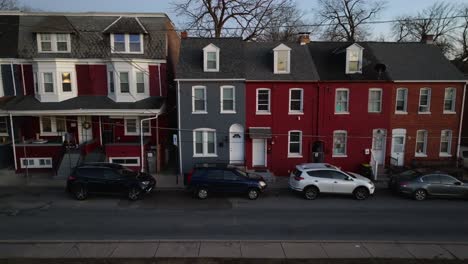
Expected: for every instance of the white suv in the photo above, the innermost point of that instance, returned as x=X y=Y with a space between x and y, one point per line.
x=314 y=178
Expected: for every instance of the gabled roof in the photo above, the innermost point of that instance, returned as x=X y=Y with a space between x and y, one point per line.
x=330 y=59
x=122 y=25
x=231 y=58
x=259 y=58
x=53 y=24
x=414 y=61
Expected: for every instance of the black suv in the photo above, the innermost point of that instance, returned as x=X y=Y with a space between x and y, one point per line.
x=108 y=178
x=224 y=179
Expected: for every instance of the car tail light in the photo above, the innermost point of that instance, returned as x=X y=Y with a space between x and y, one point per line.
x=298 y=178
x=189 y=176
x=71 y=178
x=403 y=184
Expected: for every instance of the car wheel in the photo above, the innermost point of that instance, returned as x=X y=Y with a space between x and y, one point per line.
x=420 y=195
x=253 y=194
x=311 y=193
x=202 y=193
x=80 y=192
x=361 y=193
x=134 y=194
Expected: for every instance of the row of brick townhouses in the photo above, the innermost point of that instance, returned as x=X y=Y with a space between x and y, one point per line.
x=82 y=86
x=275 y=105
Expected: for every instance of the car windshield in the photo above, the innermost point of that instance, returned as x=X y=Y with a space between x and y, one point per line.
x=350 y=174
x=127 y=172
x=243 y=173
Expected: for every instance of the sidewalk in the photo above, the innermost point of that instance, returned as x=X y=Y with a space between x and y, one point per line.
x=294 y=250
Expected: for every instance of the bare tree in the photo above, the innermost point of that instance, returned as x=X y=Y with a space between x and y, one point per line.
x=438 y=20
x=246 y=18
x=346 y=19
x=9 y=5
x=461 y=56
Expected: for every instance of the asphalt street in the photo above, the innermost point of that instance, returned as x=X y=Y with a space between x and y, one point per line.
x=276 y=215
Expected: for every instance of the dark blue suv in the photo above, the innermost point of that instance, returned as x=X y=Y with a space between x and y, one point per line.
x=224 y=179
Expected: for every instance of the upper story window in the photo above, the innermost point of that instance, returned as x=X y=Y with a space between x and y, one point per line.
x=3 y=126
x=281 y=59
x=445 y=143
x=375 y=101
x=339 y=143
x=424 y=100
x=211 y=58
x=127 y=43
x=53 y=43
x=111 y=82
x=140 y=82
x=54 y=81
x=127 y=82
x=263 y=101
x=296 y=101
x=295 y=144
x=48 y=78
x=199 y=99
x=354 y=59
x=342 y=101
x=401 y=100
x=228 y=99
x=124 y=82
x=449 y=100
x=66 y=82
x=421 y=143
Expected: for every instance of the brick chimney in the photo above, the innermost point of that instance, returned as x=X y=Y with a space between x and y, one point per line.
x=183 y=35
x=304 y=38
x=427 y=38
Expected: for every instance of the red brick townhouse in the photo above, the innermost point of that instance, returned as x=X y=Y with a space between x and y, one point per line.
x=87 y=87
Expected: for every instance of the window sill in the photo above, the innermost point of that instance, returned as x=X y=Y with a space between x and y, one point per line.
x=445 y=155
x=282 y=72
x=293 y=156
x=205 y=156
x=127 y=52
x=341 y=113
x=53 y=51
x=424 y=113
x=401 y=113
x=339 y=156
x=420 y=155
x=200 y=113
x=374 y=112
x=449 y=113
x=263 y=113
x=295 y=113
x=228 y=112
x=208 y=70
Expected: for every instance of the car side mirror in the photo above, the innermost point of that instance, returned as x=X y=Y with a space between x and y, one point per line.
x=458 y=183
x=349 y=179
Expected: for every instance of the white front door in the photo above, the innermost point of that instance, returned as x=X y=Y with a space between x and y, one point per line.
x=258 y=152
x=378 y=145
x=398 y=146
x=236 y=144
x=85 y=131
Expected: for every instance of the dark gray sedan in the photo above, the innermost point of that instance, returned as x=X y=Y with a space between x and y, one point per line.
x=433 y=185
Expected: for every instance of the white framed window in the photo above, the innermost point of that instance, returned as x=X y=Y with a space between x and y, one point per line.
x=339 y=143
x=282 y=59
x=342 y=101
x=66 y=82
x=127 y=43
x=48 y=78
x=228 y=99
x=124 y=82
x=263 y=101
x=3 y=126
x=449 y=100
x=446 y=143
x=125 y=161
x=204 y=142
x=36 y=85
x=211 y=58
x=401 y=101
x=375 y=100
x=296 y=98
x=199 y=100
x=354 y=59
x=53 y=43
x=421 y=143
x=295 y=143
x=36 y=163
x=111 y=82
x=52 y=126
x=140 y=82
x=424 y=100
x=132 y=127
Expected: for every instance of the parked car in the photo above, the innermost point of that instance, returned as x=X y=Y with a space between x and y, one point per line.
x=406 y=175
x=311 y=179
x=433 y=184
x=203 y=181
x=108 y=178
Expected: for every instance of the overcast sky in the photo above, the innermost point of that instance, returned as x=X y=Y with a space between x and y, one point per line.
x=394 y=7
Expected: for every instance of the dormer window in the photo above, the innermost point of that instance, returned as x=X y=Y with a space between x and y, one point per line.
x=354 y=59
x=211 y=58
x=53 y=43
x=127 y=43
x=282 y=59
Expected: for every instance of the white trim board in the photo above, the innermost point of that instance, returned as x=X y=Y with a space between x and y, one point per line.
x=92 y=112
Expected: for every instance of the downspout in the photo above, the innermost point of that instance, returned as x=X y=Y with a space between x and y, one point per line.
x=141 y=138
x=13 y=77
x=100 y=131
x=460 y=127
x=179 y=129
x=22 y=78
x=13 y=141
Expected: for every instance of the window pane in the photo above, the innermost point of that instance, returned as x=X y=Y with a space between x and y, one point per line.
x=124 y=85
x=119 y=42
x=263 y=100
x=341 y=101
x=48 y=82
x=62 y=42
x=282 y=61
x=140 y=82
x=66 y=82
x=46 y=44
x=228 y=99
x=339 y=143
x=135 y=43
x=46 y=124
x=3 y=125
x=131 y=125
x=296 y=100
x=424 y=100
x=421 y=140
x=60 y=124
x=199 y=94
x=199 y=142
x=228 y=93
x=146 y=127
x=211 y=60
x=111 y=82
x=353 y=66
x=449 y=99
x=211 y=142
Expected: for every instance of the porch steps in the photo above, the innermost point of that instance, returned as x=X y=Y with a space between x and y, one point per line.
x=69 y=161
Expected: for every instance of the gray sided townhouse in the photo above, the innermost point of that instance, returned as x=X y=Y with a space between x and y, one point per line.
x=211 y=111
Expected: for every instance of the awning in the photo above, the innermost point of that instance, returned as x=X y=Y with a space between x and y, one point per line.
x=260 y=132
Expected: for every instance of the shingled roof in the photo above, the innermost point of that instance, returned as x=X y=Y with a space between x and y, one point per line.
x=130 y=25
